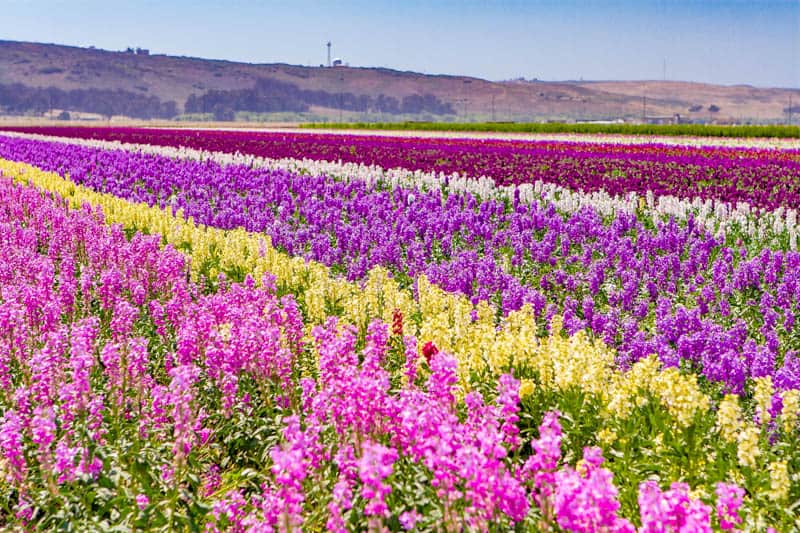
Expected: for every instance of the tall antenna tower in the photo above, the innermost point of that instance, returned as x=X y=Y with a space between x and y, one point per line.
x=329 y=53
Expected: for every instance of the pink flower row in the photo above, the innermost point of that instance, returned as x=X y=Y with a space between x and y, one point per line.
x=106 y=346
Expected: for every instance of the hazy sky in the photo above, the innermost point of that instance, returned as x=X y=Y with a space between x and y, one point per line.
x=754 y=42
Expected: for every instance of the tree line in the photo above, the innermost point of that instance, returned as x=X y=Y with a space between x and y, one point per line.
x=17 y=98
x=266 y=96
x=273 y=95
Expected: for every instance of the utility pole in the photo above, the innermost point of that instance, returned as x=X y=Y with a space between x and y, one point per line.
x=329 y=53
x=492 y=108
x=644 y=108
x=464 y=93
x=790 y=109
x=341 y=96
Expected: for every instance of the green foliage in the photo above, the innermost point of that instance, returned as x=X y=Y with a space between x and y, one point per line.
x=700 y=130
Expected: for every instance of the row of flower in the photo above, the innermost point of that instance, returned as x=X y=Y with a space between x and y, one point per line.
x=726 y=311
x=641 y=417
x=778 y=143
x=134 y=397
x=772 y=227
x=761 y=177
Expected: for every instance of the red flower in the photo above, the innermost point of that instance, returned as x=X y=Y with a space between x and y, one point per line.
x=397 y=322
x=429 y=350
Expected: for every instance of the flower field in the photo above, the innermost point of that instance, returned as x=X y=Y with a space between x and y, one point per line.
x=237 y=331
x=720 y=173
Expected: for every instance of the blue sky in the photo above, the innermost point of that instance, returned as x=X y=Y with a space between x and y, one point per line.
x=756 y=42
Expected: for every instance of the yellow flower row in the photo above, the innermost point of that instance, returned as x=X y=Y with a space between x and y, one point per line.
x=560 y=362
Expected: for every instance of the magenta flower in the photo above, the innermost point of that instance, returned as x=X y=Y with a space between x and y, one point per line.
x=671 y=510
x=374 y=466
x=543 y=463
x=12 y=448
x=142 y=501
x=729 y=501
x=409 y=519
x=585 y=500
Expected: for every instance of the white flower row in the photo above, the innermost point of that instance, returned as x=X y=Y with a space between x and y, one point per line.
x=717 y=216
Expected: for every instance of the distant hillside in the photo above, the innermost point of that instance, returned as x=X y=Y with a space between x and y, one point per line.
x=48 y=80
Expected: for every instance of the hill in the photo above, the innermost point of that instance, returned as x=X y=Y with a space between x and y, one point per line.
x=46 y=79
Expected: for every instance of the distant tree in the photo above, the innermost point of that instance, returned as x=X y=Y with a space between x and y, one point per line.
x=104 y=106
x=168 y=109
x=223 y=113
x=20 y=98
x=64 y=115
x=193 y=104
x=713 y=108
x=695 y=108
x=270 y=95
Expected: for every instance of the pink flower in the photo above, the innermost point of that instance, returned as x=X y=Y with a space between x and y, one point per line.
x=290 y=468
x=409 y=519
x=542 y=464
x=142 y=501
x=671 y=510
x=508 y=401
x=585 y=500
x=341 y=500
x=411 y=359
x=184 y=413
x=375 y=465
x=167 y=473
x=729 y=500
x=11 y=445
x=65 y=462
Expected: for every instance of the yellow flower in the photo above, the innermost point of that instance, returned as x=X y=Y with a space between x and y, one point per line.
x=658 y=440
x=748 y=451
x=729 y=417
x=526 y=387
x=778 y=480
x=790 y=410
x=606 y=436
x=698 y=493
x=736 y=477
x=681 y=394
x=763 y=397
